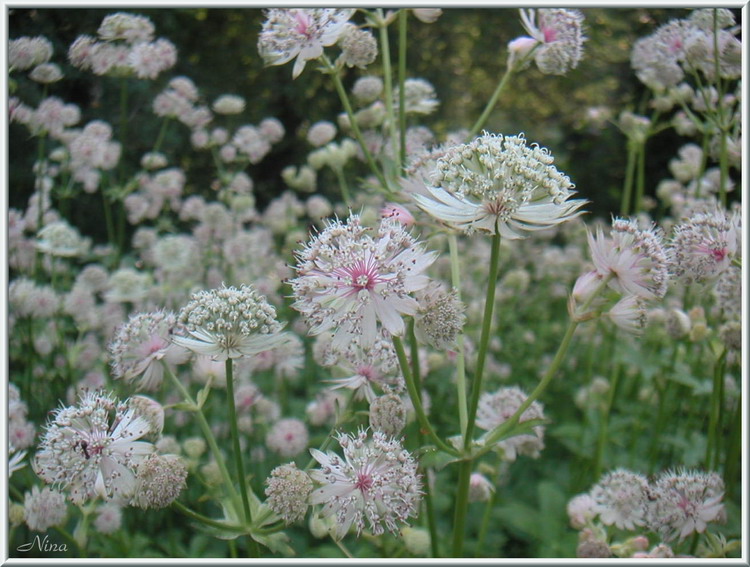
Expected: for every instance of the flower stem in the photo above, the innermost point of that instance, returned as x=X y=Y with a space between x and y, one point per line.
x=484 y=340
x=482 y=120
x=714 y=423
x=640 y=178
x=604 y=422
x=415 y=398
x=193 y=515
x=343 y=186
x=629 y=174
x=462 y=506
x=207 y=433
x=388 y=84
x=239 y=463
x=402 y=45
x=353 y=121
x=463 y=417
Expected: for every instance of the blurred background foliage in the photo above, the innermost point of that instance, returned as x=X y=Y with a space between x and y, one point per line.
x=463 y=55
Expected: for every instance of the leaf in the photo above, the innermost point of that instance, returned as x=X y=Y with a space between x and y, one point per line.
x=434 y=458
x=182 y=406
x=203 y=395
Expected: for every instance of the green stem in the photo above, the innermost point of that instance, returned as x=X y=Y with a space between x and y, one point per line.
x=238 y=460
x=462 y=506
x=385 y=51
x=732 y=468
x=629 y=173
x=343 y=186
x=207 y=433
x=481 y=121
x=193 y=515
x=253 y=546
x=402 y=45
x=431 y=520
x=484 y=340
x=712 y=446
x=640 y=178
x=604 y=423
x=485 y=522
x=353 y=121
x=463 y=416
x=415 y=398
x=162 y=134
x=497 y=433
x=67 y=536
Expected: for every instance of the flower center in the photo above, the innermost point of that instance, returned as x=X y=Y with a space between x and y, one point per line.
x=361 y=275
x=364 y=481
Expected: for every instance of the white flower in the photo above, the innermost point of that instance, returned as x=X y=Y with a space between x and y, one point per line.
x=634 y=258
x=92 y=449
x=300 y=33
x=496 y=183
x=560 y=37
x=230 y=323
x=376 y=483
x=684 y=502
x=139 y=346
x=348 y=280
x=703 y=246
x=620 y=498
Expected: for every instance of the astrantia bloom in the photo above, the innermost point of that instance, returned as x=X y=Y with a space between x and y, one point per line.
x=300 y=33
x=634 y=258
x=703 y=246
x=620 y=498
x=349 y=279
x=92 y=449
x=496 y=183
x=229 y=323
x=369 y=366
x=560 y=35
x=376 y=483
x=139 y=346
x=496 y=408
x=684 y=502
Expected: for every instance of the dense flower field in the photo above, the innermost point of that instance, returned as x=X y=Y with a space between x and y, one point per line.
x=451 y=358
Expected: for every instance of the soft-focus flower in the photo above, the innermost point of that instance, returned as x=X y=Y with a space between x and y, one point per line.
x=620 y=498
x=44 y=508
x=288 y=437
x=496 y=408
x=229 y=104
x=480 y=488
x=300 y=33
x=703 y=246
x=375 y=484
x=27 y=52
x=229 y=323
x=359 y=47
x=321 y=133
x=388 y=414
x=367 y=89
x=440 y=317
x=559 y=35
x=61 y=239
x=629 y=313
x=349 y=279
x=496 y=183
x=657 y=58
x=419 y=97
x=427 y=15
x=684 y=502
x=92 y=449
x=139 y=346
x=581 y=510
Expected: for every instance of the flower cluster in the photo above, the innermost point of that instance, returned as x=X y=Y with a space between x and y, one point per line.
x=674 y=505
x=556 y=38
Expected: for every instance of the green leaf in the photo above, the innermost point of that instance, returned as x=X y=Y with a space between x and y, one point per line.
x=434 y=458
x=182 y=406
x=203 y=395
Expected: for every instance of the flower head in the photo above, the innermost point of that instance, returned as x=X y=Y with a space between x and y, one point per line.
x=703 y=246
x=349 y=279
x=300 y=33
x=376 y=483
x=620 y=498
x=496 y=408
x=141 y=344
x=288 y=492
x=44 y=508
x=634 y=258
x=560 y=38
x=93 y=449
x=496 y=183
x=229 y=323
x=161 y=478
